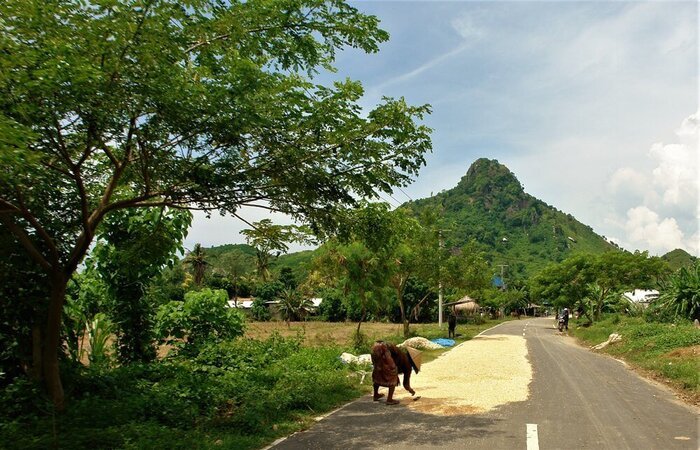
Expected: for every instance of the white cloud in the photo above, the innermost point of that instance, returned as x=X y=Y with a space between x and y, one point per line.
x=662 y=210
x=426 y=66
x=659 y=236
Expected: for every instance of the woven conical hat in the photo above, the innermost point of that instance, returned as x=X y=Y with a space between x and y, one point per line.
x=415 y=357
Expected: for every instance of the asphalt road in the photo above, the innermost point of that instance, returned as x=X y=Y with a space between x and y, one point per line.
x=578 y=400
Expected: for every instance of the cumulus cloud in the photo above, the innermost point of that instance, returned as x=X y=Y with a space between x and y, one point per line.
x=676 y=174
x=658 y=235
x=662 y=210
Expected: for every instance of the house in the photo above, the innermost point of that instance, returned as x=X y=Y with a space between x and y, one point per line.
x=464 y=306
x=241 y=303
x=641 y=296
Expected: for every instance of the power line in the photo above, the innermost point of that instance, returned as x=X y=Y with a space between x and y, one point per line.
x=394 y=204
x=404 y=193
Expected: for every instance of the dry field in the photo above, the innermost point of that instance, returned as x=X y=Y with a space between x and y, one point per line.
x=340 y=333
x=325 y=333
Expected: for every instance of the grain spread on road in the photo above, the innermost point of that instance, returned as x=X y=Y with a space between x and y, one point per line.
x=474 y=377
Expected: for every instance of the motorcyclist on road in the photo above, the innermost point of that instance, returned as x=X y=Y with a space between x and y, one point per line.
x=565 y=316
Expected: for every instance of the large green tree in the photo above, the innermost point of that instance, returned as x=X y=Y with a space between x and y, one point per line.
x=203 y=104
x=133 y=247
x=586 y=281
x=359 y=256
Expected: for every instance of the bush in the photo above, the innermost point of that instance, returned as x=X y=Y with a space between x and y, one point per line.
x=680 y=294
x=203 y=317
x=332 y=308
x=260 y=310
x=231 y=391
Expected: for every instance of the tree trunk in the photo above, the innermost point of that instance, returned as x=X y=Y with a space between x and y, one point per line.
x=36 y=372
x=52 y=341
x=364 y=311
x=402 y=308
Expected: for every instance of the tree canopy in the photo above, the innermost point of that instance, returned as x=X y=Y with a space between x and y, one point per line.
x=187 y=104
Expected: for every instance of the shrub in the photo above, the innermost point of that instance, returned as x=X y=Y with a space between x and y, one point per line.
x=680 y=293
x=260 y=310
x=332 y=308
x=203 y=317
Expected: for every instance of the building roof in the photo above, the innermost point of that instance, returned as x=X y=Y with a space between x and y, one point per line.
x=243 y=303
x=641 y=295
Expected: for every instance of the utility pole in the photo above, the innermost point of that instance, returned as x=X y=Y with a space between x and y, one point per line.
x=502 y=266
x=442 y=244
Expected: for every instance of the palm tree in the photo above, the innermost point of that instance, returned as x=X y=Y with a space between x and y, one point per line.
x=293 y=305
x=680 y=293
x=196 y=259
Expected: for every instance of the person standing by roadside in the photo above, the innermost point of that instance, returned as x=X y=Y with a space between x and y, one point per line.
x=451 y=324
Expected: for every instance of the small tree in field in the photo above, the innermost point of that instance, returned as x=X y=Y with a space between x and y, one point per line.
x=199 y=104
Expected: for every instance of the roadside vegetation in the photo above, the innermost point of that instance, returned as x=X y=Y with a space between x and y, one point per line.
x=667 y=352
x=239 y=393
x=660 y=338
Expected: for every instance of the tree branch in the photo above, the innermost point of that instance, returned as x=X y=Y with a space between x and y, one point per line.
x=29 y=217
x=26 y=242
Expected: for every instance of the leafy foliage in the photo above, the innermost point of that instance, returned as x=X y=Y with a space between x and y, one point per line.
x=117 y=105
x=230 y=394
x=293 y=305
x=203 y=317
x=589 y=281
x=270 y=240
x=132 y=248
x=332 y=308
x=680 y=293
x=196 y=260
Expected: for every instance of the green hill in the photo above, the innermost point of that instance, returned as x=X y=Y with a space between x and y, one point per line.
x=490 y=206
x=299 y=262
x=679 y=258
x=513 y=228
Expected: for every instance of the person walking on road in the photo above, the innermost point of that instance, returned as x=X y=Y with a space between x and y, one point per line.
x=388 y=362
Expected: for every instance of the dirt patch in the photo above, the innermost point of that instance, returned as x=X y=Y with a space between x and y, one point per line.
x=474 y=377
x=686 y=352
x=442 y=406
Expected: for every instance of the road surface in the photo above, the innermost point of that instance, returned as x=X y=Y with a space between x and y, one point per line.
x=577 y=400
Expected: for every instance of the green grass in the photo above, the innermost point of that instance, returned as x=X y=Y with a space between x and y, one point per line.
x=240 y=394
x=667 y=352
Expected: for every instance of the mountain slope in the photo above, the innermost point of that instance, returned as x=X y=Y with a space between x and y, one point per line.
x=679 y=258
x=513 y=228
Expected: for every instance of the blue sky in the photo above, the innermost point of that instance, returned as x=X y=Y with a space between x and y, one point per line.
x=593 y=106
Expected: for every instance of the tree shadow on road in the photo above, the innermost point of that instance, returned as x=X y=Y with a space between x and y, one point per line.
x=368 y=424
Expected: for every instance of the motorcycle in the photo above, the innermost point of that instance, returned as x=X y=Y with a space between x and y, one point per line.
x=561 y=324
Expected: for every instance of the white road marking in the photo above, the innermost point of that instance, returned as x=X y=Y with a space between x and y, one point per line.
x=532 y=439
